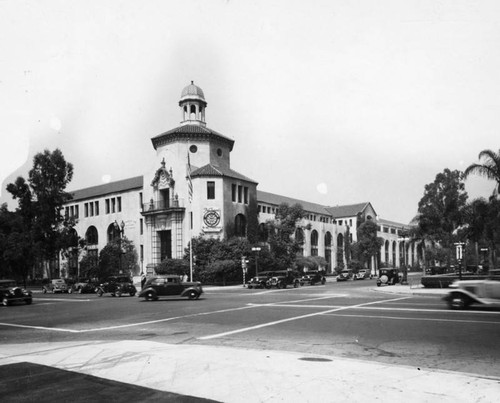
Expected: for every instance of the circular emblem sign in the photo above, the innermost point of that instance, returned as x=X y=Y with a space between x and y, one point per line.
x=211 y=218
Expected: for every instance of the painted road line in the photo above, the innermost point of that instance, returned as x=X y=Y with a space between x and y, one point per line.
x=372 y=308
x=63 y=299
x=414 y=319
x=277 y=322
x=126 y=325
x=56 y=329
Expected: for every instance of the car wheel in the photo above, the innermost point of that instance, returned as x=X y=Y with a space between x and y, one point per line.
x=80 y=290
x=249 y=287
x=150 y=296
x=70 y=291
x=323 y=281
x=193 y=295
x=118 y=293
x=5 y=301
x=458 y=301
x=99 y=293
x=44 y=291
x=28 y=301
x=132 y=293
x=296 y=284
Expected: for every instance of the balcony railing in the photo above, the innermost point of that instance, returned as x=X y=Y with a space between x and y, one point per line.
x=163 y=205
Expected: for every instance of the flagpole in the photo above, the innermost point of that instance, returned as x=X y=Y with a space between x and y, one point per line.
x=190 y=245
x=190 y=219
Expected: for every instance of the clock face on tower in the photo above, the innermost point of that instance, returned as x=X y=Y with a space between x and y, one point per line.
x=211 y=220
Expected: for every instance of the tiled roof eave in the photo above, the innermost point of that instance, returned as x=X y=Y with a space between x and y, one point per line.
x=192 y=133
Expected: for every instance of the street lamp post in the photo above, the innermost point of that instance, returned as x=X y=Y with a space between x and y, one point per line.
x=256 y=249
x=405 y=268
x=121 y=229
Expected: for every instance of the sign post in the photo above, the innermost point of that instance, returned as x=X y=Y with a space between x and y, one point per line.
x=459 y=254
x=244 y=262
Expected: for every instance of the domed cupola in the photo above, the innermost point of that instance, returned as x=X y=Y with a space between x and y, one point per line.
x=193 y=105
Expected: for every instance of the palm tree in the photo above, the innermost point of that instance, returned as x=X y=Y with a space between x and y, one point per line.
x=489 y=169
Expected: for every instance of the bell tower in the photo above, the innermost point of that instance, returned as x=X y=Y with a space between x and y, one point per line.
x=193 y=104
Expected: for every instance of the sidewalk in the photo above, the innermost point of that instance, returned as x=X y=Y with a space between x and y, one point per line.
x=242 y=375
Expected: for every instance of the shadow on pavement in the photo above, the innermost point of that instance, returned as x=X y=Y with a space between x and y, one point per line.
x=26 y=382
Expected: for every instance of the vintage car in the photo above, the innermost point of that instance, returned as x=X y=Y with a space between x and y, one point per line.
x=117 y=286
x=169 y=286
x=260 y=281
x=84 y=287
x=361 y=274
x=344 y=275
x=55 y=285
x=284 y=278
x=468 y=292
x=313 y=277
x=388 y=277
x=10 y=292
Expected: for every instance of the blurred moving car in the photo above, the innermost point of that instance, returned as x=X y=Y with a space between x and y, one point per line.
x=313 y=277
x=117 y=286
x=388 y=277
x=84 y=287
x=362 y=274
x=468 y=292
x=344 y=275
x=55 y=285
x=169 y=286
x=10 y=293
x=260 y=281
x=284 y=278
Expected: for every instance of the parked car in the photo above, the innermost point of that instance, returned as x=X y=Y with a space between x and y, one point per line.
x=468 y=292
x=361 y=274
x=344 y=275
x=10 y=292
x=260 y=281
x=55 y=285
x=313 y=277
x=117 y=286
x=84 y=287
x=169 y=286
x=388 y=277
x=284 y=278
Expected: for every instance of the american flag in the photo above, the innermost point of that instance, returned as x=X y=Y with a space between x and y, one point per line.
x=190 y=183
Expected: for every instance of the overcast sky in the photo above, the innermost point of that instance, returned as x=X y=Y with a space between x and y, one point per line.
x=333 y=102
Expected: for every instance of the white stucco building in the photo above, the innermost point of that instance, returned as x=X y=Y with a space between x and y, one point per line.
x=159 y=212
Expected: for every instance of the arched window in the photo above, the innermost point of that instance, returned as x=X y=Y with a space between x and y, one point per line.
x=91 y=236
x=240 y=225
x=314 y=243
x=386 y=247
x=394 y=253
x=340 y=241
x=113 y=232
x=328 y=250
x=263 y=233
x=299 y=238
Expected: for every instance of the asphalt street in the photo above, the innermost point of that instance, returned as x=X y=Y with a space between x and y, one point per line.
x=349 y=320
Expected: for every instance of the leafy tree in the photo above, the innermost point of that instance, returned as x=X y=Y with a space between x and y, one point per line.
x=440 y=209
x=173 y=266
x=282 y=242
x=368 y=244
x=490 y=168
x=224 y=270
x=118 y=255
x=89 y=267
x=40 y=201
x=311 y=262
x=209 y=252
